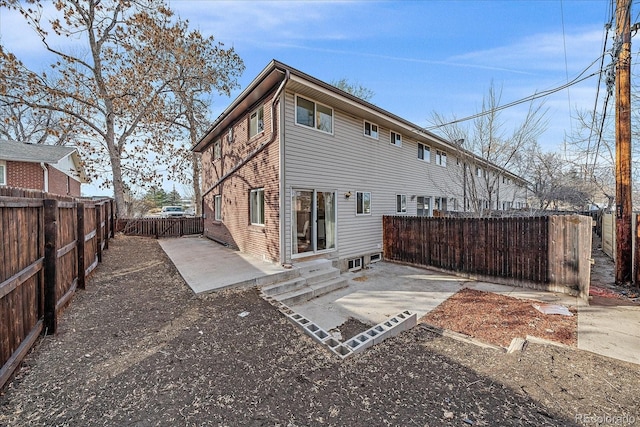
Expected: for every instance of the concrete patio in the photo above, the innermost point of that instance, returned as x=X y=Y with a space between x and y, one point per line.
x=376 y=293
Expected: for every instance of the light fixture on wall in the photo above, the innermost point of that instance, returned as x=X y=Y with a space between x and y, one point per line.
x=413 y=197
x=347 y=194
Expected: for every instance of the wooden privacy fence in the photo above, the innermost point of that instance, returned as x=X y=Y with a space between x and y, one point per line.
x=161 y=227
x=551 y=253
x=48 y=246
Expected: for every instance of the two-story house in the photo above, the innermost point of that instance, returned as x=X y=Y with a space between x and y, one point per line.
x=295 y=168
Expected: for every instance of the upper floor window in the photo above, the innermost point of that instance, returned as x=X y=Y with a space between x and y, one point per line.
x=3 y=173
x=217 y=150
x=401 y=203
x=424 y=152
x=217 y=208
x=256 y=122
x=479 y=172
x=312 y=114
x=256 y=206
x=371 y=129
x=363 y=203
x=441 y=158
x=396 y=139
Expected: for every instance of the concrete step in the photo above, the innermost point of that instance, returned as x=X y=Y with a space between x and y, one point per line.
x=309 y=292
x=329 y=286
x=284 y=287
x=307 y=267
x=319 y=276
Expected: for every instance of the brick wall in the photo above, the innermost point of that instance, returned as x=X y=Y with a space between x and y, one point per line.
x=31 y=175
x=262 y=171
x=25 y=175
x=61 y=183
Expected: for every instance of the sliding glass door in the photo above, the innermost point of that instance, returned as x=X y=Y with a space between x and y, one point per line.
x=313 y=221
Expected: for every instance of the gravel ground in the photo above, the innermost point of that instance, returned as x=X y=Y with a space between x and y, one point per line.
x=137 y=348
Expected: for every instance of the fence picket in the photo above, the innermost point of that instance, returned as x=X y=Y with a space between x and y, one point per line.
x=40 y=253
x=550 y=252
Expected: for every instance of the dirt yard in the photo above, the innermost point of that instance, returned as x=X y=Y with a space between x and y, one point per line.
x=137 y=348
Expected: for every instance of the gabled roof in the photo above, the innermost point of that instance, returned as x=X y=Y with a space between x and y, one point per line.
x=275 y=73
x=33 y=153
x=38 y=153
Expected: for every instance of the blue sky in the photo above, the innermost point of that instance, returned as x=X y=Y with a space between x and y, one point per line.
x=423 y=56
x=416 y=56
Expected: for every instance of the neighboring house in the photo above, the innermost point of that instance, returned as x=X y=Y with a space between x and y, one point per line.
x=295 y=168
x=50 y=168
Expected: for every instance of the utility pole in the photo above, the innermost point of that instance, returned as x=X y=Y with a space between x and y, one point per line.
x=624 y=258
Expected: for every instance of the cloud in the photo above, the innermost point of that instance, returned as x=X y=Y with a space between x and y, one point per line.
x=264 y=21
x=540 y=52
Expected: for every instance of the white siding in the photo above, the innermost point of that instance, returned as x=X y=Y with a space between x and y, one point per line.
x=348 y=161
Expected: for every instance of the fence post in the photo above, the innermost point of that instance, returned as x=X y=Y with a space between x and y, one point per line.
x=80 y=245
x=50 y=264
x=107 y=225
x=98 y=208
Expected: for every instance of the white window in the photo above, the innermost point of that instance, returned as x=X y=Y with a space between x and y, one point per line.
x=424 y=206
x=401 y=203
x=396 y=139
x=440 y=204
x=363 y=203
x=424 y=152
x=355 y=264
x=3 y=173
x=479 y=172
x=312 y=114
x=454 y=202
x=256 y=122
x=217 y=208
x=441 y=158
x=370 y=129
x=217 y=150
x=256 y=206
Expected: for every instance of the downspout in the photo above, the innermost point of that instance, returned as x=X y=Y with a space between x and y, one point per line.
x=274 y=133
x=46 y=176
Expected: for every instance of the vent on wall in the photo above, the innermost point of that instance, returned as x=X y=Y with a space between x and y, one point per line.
x=355 y=264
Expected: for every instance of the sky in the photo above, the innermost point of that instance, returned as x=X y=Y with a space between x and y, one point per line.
x=418 y=57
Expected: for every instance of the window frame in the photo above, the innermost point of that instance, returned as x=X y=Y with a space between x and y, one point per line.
x=259 y=121
x=3 y=172
x=216 y=150
x=316 y=122
x=424 y=148
x=258 y=209
x=441 y=158
x=426 y=206
x=371 y=126
x=362 y=211
x=440 y=204
x=401 y=203
x=217 y=207
x=396 y=142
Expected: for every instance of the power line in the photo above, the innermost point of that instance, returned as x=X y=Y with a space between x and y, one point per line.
x=579 y=78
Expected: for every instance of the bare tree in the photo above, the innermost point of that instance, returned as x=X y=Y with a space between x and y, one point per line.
x=487 y=152
x=355 y=89
x=118 y=89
